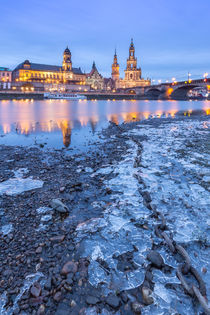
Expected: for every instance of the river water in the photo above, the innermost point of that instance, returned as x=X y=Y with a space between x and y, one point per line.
x=74 y=124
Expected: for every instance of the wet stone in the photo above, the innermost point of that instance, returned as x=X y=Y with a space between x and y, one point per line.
x=155 y=258
x=136 y=307
x=58 y=238
x=124 y=297
x=92 y=300
x=48 y=284
x=39 y=250
x=57 y=296
x=59 y=206
x=113 y=301
x=146 y=295
x=36 y=290
x=41 y=310
x=70 y=266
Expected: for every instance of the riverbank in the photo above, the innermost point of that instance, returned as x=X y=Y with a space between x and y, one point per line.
x=90 y=96
x=91 y=253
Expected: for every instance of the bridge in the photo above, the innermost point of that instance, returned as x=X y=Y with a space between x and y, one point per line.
x=175 y=90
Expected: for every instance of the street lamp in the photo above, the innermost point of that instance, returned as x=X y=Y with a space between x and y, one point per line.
x=189 y=75
x=205 y=75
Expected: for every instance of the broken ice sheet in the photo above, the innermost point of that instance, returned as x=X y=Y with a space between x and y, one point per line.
x=18 y=184
x=105 y=239
x=172 y=172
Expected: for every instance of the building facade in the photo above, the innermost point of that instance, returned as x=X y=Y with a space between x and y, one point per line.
x=50 y=75
x=132 y=72
x=94 y=79
x=5 y=78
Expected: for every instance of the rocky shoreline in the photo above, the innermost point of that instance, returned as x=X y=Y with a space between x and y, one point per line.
x=52 y=230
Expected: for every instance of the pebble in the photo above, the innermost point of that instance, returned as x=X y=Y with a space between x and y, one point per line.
x=57 y=296
x=41 y=310
x=58 y=238
x=70 y=266
x=113 y=301
x=48 y=284
x=92 y=300
x=39 y=250
x=59 y=206
x=146 y=295
x=136 y=307
x=73 y=303
x=155 y=258
x=36 y=290
x=62 y=189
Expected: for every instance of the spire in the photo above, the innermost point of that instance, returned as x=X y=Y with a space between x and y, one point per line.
x=115 y=67
x=67 y=51
x=94 y=65
x=131 y=45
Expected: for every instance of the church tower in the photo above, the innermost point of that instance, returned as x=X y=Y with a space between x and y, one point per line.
x=67 y=64
x=132 y=73
x=115 y=68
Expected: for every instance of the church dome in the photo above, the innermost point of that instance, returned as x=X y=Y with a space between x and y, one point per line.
x=26 y=62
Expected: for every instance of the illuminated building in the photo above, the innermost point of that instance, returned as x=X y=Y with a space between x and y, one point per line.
x=95 y=79
x=50 y=76
x=5 y=78
x=115 y=68
x=132 y=72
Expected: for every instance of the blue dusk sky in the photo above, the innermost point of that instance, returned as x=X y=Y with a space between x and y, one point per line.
x=170 y=37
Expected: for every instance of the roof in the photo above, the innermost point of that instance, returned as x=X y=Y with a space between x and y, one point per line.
x=43 y=67
x=4 y=69
x=94 y=70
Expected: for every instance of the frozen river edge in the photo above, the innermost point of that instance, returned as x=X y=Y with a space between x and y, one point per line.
x=97 y=251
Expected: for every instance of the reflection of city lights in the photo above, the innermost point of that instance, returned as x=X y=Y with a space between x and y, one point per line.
x=61 y=115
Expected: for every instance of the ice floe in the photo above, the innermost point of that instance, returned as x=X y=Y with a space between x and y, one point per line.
x=19 y=184
x=105 y=239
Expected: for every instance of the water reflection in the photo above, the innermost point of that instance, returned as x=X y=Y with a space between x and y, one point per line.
x=50 y=117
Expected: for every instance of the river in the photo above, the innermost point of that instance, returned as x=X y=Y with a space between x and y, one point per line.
x=74 y=124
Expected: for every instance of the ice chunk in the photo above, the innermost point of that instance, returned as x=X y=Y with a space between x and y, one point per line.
x=18 y=184
x=46 y=218
x=6 y=229
x=43 y=210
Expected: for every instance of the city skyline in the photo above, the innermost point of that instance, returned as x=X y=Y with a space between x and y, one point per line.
x=168 y=44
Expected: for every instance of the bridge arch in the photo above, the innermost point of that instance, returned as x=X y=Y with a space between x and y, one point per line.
x=153 y=92
x=181 y=92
